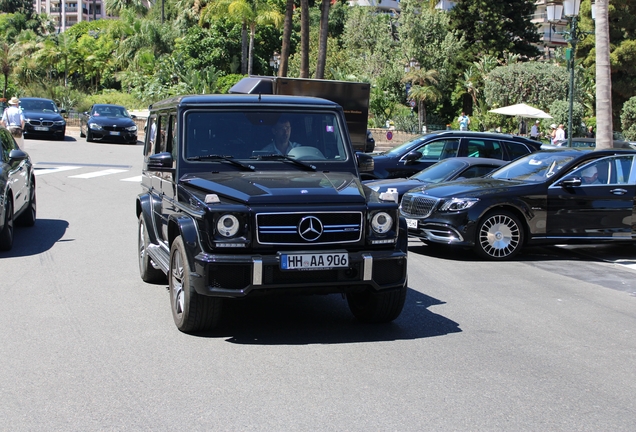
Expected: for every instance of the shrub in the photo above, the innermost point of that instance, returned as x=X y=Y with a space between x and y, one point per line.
x=628 y=119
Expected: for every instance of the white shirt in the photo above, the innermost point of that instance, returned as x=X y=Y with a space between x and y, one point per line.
x=560 y=135
x=271 y=147
x=13 y=116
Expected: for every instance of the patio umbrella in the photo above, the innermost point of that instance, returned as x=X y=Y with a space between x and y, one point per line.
x=522 y=110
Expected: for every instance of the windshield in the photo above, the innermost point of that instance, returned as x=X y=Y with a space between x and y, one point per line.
x=535 y=167
x=38 y=105
x=109 y=111
x=259 y=135
x=439 y=172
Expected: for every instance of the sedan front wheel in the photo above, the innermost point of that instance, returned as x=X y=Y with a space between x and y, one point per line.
x=499 y=236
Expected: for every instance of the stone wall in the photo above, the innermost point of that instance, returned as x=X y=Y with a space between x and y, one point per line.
x=382 y=143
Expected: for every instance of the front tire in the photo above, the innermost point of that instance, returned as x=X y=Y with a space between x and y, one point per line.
x=377 y=306
x=191 y=312
x=6 y=235
x=82 y=134
x=89 y=136
x=146 y=270
x=499 y=236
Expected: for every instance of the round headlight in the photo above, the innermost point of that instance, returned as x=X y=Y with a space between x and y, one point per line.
x=227 y=225
x=381 y=222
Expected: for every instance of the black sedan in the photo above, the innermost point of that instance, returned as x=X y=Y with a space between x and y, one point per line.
x=443 y=171
x=425 y=150
x=17 y=189
x=550 y=197
x=104 y=122
x=590 y=143
x=42 y=118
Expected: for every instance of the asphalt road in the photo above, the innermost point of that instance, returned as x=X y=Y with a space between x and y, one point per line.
x=546 y=342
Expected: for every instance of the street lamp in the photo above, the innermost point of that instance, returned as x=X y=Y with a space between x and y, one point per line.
x=570 y=9
x=274 y=62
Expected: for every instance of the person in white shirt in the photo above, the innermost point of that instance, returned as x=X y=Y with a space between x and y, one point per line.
x=13 y=119
x=281 y=143
x=534 y=131
x=560 y=134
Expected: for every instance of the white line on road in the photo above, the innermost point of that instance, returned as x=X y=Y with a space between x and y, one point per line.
x=132 y=179
x=98 y=173
x=39 y=172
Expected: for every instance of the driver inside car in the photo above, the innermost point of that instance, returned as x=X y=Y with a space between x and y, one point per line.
x=589 y=176
x=281 y=143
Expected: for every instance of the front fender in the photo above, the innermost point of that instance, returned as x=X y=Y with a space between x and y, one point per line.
x=144 y=210
x=186 y=227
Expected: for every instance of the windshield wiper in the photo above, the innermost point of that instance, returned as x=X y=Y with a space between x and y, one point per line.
x=229 y=159
x=275 y=156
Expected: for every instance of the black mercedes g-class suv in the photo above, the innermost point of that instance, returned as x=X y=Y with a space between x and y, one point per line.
x=224 y=213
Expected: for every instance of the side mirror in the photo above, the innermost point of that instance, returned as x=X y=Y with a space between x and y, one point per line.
x=160 y=161
x=365 y=162
x=570 y=182
x=17 y=155
x=62 y=111
x=413 y=156
x=132 y=116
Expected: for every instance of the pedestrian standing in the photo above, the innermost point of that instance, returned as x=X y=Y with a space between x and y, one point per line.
x=534 y=131
x=522 y=127
x=590 y=132
x=13 y=119
x=560 y=134
x=464 y=121
x=553 y=134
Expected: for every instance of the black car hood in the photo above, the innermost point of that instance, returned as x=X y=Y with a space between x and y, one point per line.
x=112 y=121
x=284 y=186
x=41 y=115
x=401 y=184
x=473 y=188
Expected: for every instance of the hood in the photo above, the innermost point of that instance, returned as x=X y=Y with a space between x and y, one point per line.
x=280 y=187
x=401 y=184
x=474 y=188
x=112 y=121
x=41 y=115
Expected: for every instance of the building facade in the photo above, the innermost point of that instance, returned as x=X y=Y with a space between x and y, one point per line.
x=69 y=12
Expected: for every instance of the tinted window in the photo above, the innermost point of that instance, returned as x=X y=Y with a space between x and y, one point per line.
x=7 y=144
x=38 y=105
x=440 y=171
x=515 y=150
x=477 y=171
x=483 y=148
x=610 y=170
x=436 y=150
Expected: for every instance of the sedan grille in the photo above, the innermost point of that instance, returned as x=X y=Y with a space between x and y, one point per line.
x=416 y=205
x=114 y=128
x=41 y=122
x=309 y=228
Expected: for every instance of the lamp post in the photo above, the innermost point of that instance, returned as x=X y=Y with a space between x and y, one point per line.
x=274 y=62
x=569 y=9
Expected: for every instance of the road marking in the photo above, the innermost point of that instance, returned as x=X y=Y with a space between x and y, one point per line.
x=98 y=173
x=42 y=171
x=132 y=179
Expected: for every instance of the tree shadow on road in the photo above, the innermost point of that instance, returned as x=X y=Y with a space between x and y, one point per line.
x=303 y=320
x=36 y=239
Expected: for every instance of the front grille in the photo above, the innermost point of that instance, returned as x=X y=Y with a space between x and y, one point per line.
x=309 y=228
x=41 y=122
x=416 y=205
x=114 y=128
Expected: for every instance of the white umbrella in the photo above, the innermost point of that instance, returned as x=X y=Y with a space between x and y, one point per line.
x=522 y=110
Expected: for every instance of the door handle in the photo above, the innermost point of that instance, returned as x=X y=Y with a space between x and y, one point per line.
x=619 y=191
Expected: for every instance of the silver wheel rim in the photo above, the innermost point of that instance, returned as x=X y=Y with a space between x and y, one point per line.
x=142 y=246
x=499 y=236
x=176 y=283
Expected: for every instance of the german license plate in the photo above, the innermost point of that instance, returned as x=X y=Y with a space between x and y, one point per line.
x=411 y=223
x=115 y=133
x=41 y=128
x=313 y=261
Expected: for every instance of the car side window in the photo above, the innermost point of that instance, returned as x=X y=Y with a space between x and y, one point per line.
x=484 y=148
x=436 y=150
x=5 y=146
x=161 y=144
x=606 y=171
x=515 y=150
x=151 y=135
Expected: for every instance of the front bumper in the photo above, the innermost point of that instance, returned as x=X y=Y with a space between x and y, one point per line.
x=455 y=229
x=115 y=136
x=237 y=276
x=55 y=131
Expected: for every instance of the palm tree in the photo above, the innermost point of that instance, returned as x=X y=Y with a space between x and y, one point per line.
x=5 y=65
x=304 y=38
x=423 y=90
x=250 y=13
x=287 y=30
x=324 y=32
x=604 y=127
x=114 y=7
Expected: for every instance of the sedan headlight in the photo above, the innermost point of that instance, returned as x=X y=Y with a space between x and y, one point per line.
x=227 y=225
x=381 y=222
x=132 y=128
x=59 y=123
x=95 y=126
x=457 y=204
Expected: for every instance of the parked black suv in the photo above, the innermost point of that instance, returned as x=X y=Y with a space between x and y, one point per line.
x=225 y=215
x=425 y=150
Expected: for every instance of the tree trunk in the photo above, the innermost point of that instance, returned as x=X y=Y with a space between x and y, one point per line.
x=419 y=116
x=324 y=33
x=250 y=54
x=244 y=48
x=287 y=29
x=604 y=126
x=304 y=38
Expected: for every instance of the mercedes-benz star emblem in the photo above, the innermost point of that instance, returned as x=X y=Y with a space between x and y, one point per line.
x=310 y=228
